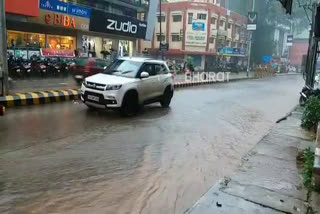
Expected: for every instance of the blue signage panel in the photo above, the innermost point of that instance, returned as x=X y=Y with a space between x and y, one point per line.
x=232 y=51
x=79 y=11
x=266 y=58
x=236 y=50
x=198 y=26
x=243 y=51
x=62 y=7
x=54 y=5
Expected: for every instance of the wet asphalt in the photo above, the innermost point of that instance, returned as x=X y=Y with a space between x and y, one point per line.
x=64 y=158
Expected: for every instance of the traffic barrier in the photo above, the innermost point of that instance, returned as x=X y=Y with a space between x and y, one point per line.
x=316 y=165
x=36 y=98
x=43 y=97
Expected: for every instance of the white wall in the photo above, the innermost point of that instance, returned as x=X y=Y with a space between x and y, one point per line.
x=196 y=47
x=175 y=28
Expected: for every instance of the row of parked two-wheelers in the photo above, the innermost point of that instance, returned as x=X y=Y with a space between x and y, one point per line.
x=36 y=67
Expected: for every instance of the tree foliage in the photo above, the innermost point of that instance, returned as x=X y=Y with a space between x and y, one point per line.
x=271 y=16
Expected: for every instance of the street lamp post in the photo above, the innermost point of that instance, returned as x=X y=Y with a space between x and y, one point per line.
x=3 y=50
x=160 y=41
x=250 y=42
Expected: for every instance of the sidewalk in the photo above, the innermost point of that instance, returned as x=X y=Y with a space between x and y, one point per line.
x=268 y=181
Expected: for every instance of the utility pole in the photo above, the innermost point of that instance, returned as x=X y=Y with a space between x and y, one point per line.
x=3 y=50
x=312 y=51
x=160 y=42
x=250 y=42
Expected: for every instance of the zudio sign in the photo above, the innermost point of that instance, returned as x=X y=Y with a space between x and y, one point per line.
x=122 y=26
x=116 y=24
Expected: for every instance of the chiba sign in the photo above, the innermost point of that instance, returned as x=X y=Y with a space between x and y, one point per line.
x=60 y=19
x=115 y=24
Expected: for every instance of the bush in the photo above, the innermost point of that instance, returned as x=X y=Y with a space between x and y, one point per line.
x=311 y=114
x=307 y=169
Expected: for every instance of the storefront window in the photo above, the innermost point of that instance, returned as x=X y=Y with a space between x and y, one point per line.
x=125 y=48
x=61 y=42
x=18 y=39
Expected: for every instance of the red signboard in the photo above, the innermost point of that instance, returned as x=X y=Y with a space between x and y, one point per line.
x=23 y=7
x=297 y=50
x=57 y=52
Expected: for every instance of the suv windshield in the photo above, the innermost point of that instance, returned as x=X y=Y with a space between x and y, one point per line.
x=124 y=68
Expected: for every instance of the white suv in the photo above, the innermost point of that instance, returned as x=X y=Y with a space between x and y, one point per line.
x=129 y=83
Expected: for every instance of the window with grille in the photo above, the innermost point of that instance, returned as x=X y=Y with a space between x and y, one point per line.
x=213 y=20
x=176 y=18
x=202 y=16
x=175 y=38
x=162 y=18
x=221 y=23
x=190 y=18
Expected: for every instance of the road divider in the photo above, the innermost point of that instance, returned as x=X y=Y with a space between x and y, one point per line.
x=43 y=97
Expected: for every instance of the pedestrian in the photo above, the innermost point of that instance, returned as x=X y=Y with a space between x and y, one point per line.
x=2 y=110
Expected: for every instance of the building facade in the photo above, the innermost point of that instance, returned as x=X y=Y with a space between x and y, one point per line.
x=74 y=27
x=202 y=30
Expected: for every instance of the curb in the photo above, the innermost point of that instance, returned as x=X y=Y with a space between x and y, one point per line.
x=44 y=97
x=316 y=165
x=36 y=98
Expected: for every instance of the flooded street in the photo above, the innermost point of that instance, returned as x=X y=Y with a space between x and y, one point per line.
x=63 y=158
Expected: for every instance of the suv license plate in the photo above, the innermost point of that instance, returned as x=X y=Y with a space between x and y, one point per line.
x=94 y=98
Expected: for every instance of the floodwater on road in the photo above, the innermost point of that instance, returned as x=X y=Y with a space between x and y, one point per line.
x=63 y=158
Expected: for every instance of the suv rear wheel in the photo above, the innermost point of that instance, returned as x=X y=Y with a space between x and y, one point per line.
x=130 y=105
x=166 y=97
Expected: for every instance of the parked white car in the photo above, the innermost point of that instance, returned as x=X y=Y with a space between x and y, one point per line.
x=129 y=83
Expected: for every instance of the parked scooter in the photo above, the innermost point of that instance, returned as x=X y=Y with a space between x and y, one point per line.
x=306 y=93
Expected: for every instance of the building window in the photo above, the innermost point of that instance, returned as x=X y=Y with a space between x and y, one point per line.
x=221 y=23
x=213 y=20
x=234 y=44
x=202 y=16
x=163 y=18
x=175 y=37
x=190 y=18
x=211 y=40
x=176 y=18
x=163 y=38
x=229 y=25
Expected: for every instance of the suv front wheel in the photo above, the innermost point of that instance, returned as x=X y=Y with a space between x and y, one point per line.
x=166 y=97
x=130 y=104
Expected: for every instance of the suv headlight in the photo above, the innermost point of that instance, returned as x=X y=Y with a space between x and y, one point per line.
x=113 y=87
x=84 y=82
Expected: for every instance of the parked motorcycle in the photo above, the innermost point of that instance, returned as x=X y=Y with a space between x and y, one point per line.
x=306 y=93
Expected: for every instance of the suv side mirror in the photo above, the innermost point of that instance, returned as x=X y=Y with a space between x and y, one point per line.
x=144 y=75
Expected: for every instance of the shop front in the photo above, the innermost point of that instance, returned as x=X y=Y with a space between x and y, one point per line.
x=108 y=47
x=233 y=55
x=111 y=35
x=59 y=33
x=50 y=30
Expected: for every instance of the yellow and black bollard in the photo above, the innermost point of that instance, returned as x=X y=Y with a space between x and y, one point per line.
x=2 y=110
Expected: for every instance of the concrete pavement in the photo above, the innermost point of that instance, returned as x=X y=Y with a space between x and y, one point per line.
x=268 y=181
